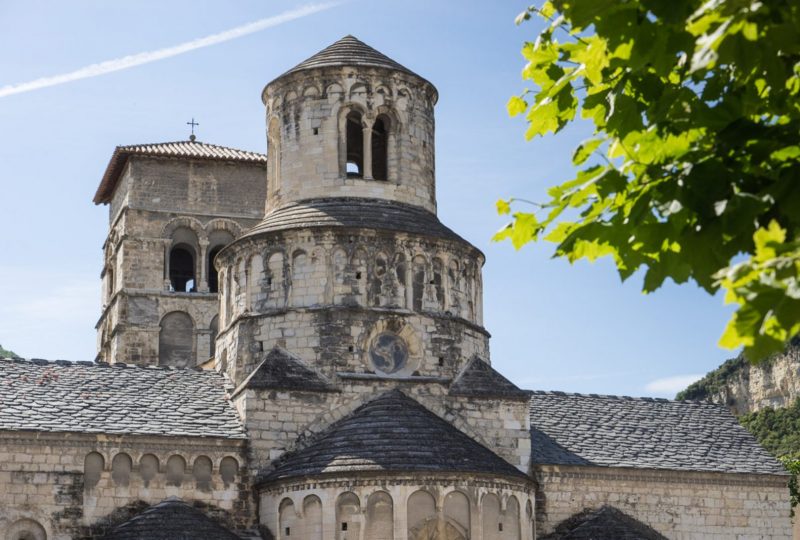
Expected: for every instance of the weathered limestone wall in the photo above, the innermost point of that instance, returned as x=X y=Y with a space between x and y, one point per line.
x=406 y=506
x=679 y=505
x=306 y=117
x=79 y=485
x=281 y=421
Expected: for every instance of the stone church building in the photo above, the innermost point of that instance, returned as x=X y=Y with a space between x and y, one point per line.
x=291 y=346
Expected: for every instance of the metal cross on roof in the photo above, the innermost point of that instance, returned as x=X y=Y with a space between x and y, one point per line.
x=193 y=124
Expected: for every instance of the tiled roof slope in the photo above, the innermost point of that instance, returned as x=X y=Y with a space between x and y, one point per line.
x=177 y=149
x=354 y=213
x=611 y=431
x=349 y=51
x=391 y=433
x=115 y=399
x=479 y=379
x=281 y=371
x=172 y=519
x=606 y=523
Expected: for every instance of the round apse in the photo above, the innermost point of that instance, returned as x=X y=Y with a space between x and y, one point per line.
x=388 y=353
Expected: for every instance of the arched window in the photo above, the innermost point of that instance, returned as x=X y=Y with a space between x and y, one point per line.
x=121 y=467
x=93 y=466
x=422 y=521
x=148 y=468
x=312 y=518
x=202 y=473
x=217 y=240
x=176 y=340
x=176 y=468
x=181 y=268
x=287 y=520
x=380 y=148
x=490 y=515
x=355 y=145
x=228 y=469
x=456 y=511
x=511 y=521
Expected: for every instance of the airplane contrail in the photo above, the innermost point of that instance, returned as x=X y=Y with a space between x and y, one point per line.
x=133 y=60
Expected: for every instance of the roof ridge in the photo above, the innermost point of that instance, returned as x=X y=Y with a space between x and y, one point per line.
x=203 y=143
x=619 y=397
x=86 y=363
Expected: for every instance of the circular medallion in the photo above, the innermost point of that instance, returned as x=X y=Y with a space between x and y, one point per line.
x=388 y=352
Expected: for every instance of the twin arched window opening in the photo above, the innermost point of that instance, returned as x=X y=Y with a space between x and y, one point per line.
x=367 y=148
x=181 y=268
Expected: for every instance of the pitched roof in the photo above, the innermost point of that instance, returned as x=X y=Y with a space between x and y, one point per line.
x=611 y=431
x=606 y=523
x=171 y=519
x=282 y=371
x=391 y=433
x=479 y=379
x=354 y=213
x=83 y=397
x=178 y=149
x=349 y=51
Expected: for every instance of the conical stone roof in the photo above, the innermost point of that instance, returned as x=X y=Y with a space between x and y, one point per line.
x=349 y=51
x=171 y=519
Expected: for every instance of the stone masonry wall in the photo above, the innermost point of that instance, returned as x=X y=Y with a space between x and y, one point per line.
x=679 y=505
x=79 y=485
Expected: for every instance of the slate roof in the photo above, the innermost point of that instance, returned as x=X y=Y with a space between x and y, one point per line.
x=281 y=371
x=177 y=149
x=611 y=431
x=391 y=433
x=606 y=523
x=354 y=213
x=479 y=379
x=349 y=51
x=171 y=519
x=84 y=397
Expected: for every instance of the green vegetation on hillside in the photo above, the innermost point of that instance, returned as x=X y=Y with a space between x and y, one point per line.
x=778 y=430
x=5 y=353
x=714 y=381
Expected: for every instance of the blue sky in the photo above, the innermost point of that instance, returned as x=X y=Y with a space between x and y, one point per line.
x=554 y=326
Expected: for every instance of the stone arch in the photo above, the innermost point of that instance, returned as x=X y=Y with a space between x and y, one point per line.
x=255 y=280
x=311 y=91
x=275 y=279
x=289 y=96
x=419 y=273
x=93 y=465
x=312 y=518
x=301 y=267
x=287 y=520
x=228 y=470
x=511 y=517
x=456 y=511
x=379 y=280
x=201 y=470
x=339 y=265
x=348 y=508
x=26 y=529
x=491 y=521
x=359 y=267
x=121 y=467
x=186 y=222
x=421 y=515
x=218 y=238
x=380 y=517
x=176 y=469
x=334 y=92
x=351 y=138
x=274 y=154
x=182 y=259
x=358 y=90
x=176 y=340
x=148 y=468
x=437 y=281
x=239 y=289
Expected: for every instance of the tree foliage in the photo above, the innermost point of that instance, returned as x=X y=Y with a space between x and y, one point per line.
x=5 y=353
x=693 y=170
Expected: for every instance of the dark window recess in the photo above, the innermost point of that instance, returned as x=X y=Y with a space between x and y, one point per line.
x=441 y=360
x=358 y=275
x=288 y=531
x=350 y=348
x=181 y=269
x=213 y=277
x=500 y=527
x=355 y=145
x=316 y=131
x=380 y=149
x=344 y=525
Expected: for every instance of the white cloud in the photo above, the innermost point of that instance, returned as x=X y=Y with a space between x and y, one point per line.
x=671 y=385
x=133 y=60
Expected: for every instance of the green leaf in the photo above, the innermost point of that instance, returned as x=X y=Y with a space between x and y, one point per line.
x=516 y=105
x=585 y=150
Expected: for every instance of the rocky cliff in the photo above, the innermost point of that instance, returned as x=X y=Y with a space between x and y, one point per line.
x=747 y=388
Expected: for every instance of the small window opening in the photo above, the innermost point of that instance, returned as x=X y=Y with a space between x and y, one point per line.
x=344 y=525
x=350 y=348
x=181 y=268
x=358 y=275
x=269 y=282
x=380 y=149
x=441 y=360
x=288 y=531
x=500 y=527
x=315 y=131
x=355 y=145
x=213 y=276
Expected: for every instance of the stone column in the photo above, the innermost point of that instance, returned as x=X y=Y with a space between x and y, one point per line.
x=203 y=281
x=367 y=130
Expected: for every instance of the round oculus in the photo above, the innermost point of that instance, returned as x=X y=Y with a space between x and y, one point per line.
x=388 y=352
